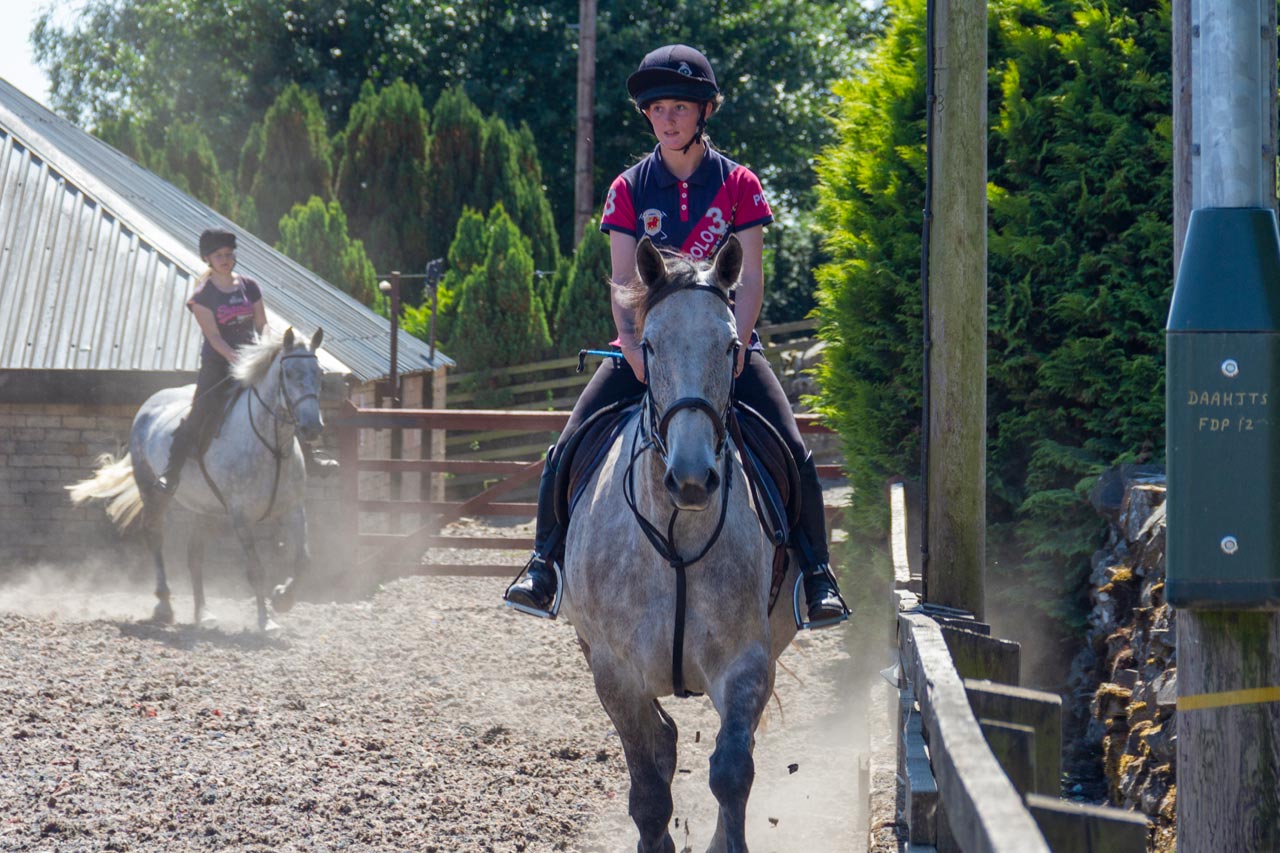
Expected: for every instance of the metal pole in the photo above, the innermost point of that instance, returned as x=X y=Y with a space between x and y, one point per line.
x=584 y=165
x=1223 y=348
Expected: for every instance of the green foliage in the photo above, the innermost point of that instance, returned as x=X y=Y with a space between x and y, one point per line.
x=457 y=139
x=186 y=159
x=224 y=64
x=286 y=159
x=382 y=176
x=500 y=319
x=871 y=189
x=1081 y=244
x=315 y=235
x=583 y=317
x=1078 y=279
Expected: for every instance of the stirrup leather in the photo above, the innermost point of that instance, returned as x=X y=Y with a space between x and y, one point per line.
x=550 y=613
x=801 y=624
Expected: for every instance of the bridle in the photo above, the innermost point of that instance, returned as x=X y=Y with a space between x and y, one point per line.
x=288 y=419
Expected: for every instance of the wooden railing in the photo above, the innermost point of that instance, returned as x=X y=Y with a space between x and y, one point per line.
x=393 y=550
x=979 y=757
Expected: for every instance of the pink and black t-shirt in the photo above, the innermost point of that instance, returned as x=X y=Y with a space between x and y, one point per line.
x=693 y=216
x=232 y=310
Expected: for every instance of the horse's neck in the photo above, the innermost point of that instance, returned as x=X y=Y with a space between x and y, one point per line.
x=268 y=392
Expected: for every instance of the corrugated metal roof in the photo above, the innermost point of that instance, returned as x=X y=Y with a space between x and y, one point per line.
x=98 y=255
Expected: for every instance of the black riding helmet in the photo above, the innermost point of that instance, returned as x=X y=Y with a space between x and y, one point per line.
x=675 y=71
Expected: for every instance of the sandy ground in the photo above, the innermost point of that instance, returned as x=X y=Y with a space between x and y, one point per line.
x=425 y=717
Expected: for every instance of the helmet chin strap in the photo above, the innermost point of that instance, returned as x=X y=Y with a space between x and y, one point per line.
x=702 y=124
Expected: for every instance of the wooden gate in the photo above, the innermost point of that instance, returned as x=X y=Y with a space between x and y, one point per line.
x=373 y=494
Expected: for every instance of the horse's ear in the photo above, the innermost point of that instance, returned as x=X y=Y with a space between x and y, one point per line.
x=728 y=264
x=649 y=263
x=317 y=338
x=288 y=338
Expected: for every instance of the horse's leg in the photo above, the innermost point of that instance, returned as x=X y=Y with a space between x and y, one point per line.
x=257 y=576
x=153 y=508
x=740 y=700
x=195 y=565
x=282 y=597
x=649 y=743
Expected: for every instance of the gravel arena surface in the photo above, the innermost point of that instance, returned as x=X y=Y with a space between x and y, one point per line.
x=424 y=717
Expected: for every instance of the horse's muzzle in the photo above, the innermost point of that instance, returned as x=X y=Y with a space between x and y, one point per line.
x=692 y=491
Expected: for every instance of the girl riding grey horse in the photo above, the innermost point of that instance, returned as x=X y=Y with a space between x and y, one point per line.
x=689 y=197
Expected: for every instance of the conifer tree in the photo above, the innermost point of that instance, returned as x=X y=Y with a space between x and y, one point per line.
x=382 y=177
x=315 y=235
x=583 y=316
x=186 y=160
x=1078 y=277
x=457 y=137
x=501 y=320
x=286 y=159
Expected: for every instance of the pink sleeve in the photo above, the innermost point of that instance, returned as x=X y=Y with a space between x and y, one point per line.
x=619 y=210
x=750 y=208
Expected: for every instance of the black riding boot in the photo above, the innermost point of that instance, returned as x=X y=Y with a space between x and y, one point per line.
x=318 y=463
x=184 y=440
x=534 y=590
x=826 y=607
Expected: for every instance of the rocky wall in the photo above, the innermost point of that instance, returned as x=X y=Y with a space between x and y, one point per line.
x=1128 y=670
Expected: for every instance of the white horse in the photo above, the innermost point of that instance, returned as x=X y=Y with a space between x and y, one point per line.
x=252 y=469
x=667 y=570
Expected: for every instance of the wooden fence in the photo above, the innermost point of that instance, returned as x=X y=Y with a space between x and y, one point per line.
x=979 y=757
x=379 y=494
x=554 y=385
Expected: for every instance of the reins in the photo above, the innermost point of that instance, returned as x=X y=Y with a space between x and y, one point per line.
x=652 y=435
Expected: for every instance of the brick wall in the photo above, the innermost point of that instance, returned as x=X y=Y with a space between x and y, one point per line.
x=46 y=447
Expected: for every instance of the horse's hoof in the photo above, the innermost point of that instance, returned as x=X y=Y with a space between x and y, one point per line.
x=206 y=620
x=163 y=614
x=282 y=597
x=271 y=628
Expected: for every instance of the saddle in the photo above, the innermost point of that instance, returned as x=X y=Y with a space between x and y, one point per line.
x=770 y=470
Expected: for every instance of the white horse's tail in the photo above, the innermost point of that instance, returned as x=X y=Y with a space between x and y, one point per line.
x=113 y=482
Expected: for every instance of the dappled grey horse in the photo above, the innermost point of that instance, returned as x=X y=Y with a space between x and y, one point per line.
x=667 y=570
x=252 y=470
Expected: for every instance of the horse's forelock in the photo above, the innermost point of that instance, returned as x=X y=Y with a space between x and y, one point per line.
x=681 y=273
x=256 y=358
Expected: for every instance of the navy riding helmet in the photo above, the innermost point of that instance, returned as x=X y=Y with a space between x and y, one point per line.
x=675 y=71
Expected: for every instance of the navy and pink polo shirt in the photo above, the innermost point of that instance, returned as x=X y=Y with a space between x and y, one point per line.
x=693 y=216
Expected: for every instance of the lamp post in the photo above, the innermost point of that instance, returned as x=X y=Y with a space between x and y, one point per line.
x=392 y=289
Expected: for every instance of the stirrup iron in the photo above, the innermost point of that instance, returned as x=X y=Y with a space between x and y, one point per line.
x=550 y=613
x=801 y=624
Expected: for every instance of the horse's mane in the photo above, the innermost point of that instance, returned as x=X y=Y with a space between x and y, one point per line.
x=681 y=272
x=255 y=358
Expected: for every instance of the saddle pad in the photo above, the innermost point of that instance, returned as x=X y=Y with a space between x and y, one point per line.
x=583 y=452
x=771 y=471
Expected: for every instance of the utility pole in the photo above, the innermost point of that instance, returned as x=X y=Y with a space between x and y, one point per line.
x=1223 y=348
x=584 y=157
x=957 y=322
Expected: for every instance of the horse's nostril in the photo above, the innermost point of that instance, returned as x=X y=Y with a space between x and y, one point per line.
x=670 y=482
x=713 y=480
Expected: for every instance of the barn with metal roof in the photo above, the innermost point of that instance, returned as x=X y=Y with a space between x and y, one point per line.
x=97 y=258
